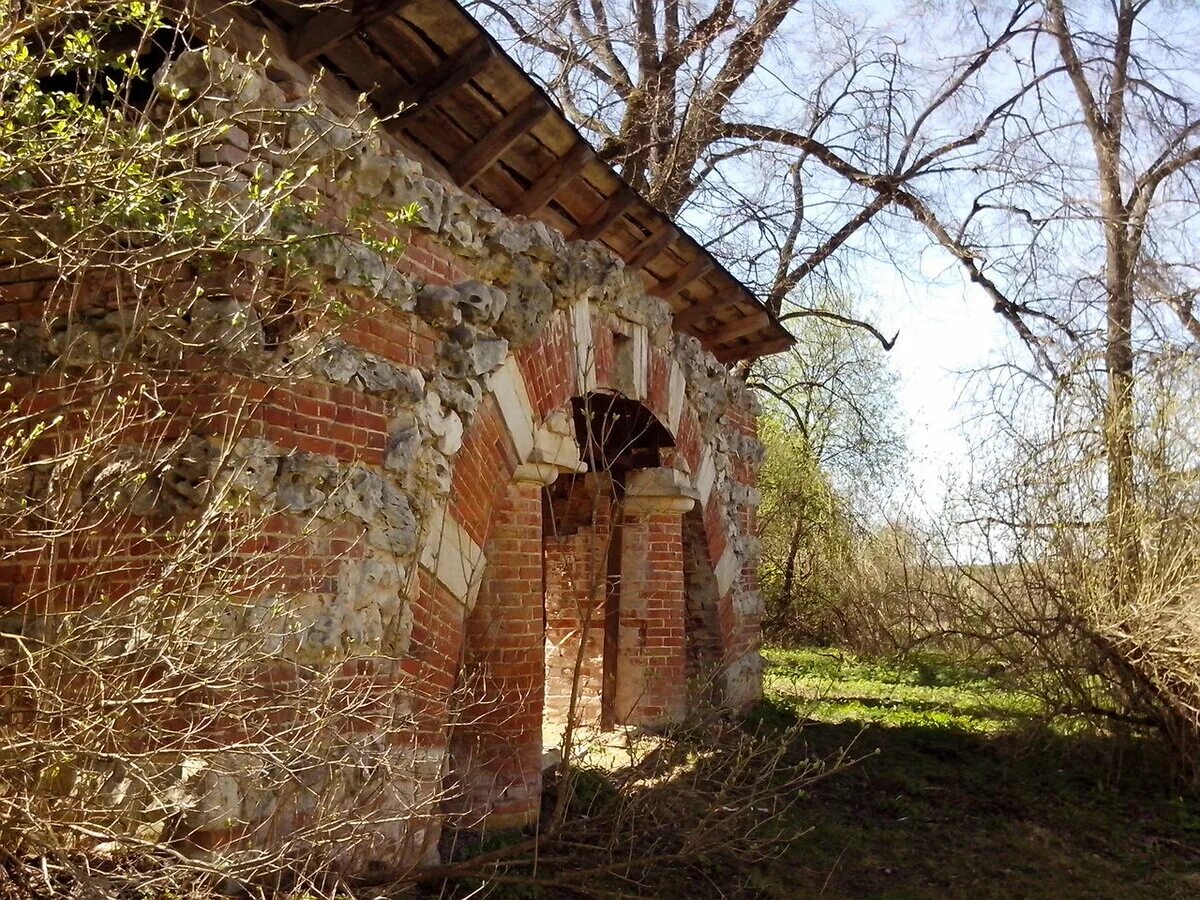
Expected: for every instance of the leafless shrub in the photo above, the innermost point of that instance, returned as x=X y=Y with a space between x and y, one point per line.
x=646 y=811
x=183 y=701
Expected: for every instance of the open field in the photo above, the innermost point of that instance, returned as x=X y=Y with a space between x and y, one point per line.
x=961 y=792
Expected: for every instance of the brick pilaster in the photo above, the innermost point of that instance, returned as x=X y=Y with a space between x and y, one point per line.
x=497 y=745
x=577 y=549
x=651 y=664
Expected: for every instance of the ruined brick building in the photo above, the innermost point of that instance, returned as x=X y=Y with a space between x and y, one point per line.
x=523 y=462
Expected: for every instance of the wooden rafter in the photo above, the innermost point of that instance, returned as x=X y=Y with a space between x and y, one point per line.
x=698 y=267
x=652 y=246
x=610 y=210
x=766 y=348
x=756 y=321
x=381 y=81
x=772 y=346
x=333 y=25
x=503 y=135
x=412 y=56
x=565 y=168
x=701 y=311
x=444 y=79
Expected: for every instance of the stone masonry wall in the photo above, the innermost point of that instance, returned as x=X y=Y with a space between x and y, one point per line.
x=383 y=476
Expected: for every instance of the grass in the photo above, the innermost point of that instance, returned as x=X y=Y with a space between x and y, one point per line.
x=832 y=687
x=960 y=791
x=957 y=789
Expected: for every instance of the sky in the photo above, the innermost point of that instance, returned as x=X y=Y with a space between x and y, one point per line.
x=947 y=332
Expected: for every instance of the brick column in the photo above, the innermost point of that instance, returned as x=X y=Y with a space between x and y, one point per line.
x=651 y=677
x=497 y=748
x=576 y=548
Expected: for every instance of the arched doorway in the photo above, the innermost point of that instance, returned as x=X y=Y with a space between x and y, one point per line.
x=580 y=619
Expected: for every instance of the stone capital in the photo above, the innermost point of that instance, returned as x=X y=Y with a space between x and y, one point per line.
x=659 y=490
x=554 y=452
x=539 y=473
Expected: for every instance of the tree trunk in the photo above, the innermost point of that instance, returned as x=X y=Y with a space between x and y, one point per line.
x=789 y=570
x=1122 y=519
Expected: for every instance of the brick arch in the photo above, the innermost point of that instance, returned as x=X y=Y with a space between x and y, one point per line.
x=578 y=352
x=520 y=438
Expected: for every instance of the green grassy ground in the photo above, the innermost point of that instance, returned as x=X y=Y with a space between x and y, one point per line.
x=956 y=789
x=960 y=792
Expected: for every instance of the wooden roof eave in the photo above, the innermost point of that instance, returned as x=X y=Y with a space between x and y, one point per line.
x=518 y=151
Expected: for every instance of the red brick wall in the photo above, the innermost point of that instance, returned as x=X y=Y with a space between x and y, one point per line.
x=497 y=750
x=481 y=471
x=548 y=366
x=651 y=682
x=351 y=425
x=576 y=554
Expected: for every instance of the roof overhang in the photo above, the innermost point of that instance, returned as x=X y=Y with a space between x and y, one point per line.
x=441 y=82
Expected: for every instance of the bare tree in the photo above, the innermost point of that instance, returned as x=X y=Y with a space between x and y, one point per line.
x=1143 y=134
x=704 y=108
x=1052 y=158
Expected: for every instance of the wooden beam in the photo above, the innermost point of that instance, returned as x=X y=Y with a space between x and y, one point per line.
x=756 y=321
x=685 y=276
x=766 y=348
x=652 y=246
x=503 y=135
x=754 y=351
x=380 y=80
x=444 y=79
x=701 y=311
x=549 y=183
x=333 y=25
x=610 y=210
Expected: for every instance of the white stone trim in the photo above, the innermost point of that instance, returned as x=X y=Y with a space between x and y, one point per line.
x=726 y=571
x=585 y=357
x=557 y=449
x=539 y=473
x=641 y=360
x=508 y=387
x=676 y=395
x=659 y=490
x=454 y=558
x=706 y=476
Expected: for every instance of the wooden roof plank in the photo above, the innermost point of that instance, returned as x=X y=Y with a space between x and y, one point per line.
x=523 y=117
x=750 y=352
x=697 y=268
x=756 y=321
x=774 y=345
x=578 y=202
x=610 y=210
x=365 y=72
x=701 y=311
x=564 y=169
x=333 y=25
x=445 y=78
x=653 y=245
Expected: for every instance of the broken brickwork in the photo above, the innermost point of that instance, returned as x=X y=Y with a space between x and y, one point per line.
x=423 y=489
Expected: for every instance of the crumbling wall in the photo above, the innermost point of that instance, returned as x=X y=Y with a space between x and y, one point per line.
x=376 y=447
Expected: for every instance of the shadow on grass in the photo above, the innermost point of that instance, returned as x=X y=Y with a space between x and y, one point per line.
x=691 y=813
x=963 y=793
